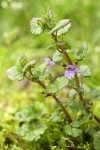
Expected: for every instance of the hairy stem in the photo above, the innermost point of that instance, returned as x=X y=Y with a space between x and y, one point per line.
x=63 y=108
x=78 y=85
x=69 y=61
x=54 y=96
x=59 y=103
x=67 y=58
x=97 y=119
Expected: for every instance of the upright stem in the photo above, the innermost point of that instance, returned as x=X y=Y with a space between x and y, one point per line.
x=76 y=78
x=67 y=58
x=42 y=84
x=69 y=61
x=63 y=108
x=59 y=103
x=78 y=85
x=97 y=119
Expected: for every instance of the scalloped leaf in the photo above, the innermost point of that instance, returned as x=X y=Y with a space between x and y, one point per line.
x=50 y=18
x=39 y=70
x=96 y=141
x=29 y=65
x=36 y=26
x=81 y=51
x=85 y=71
x=96 y=94
x=85 y=89
x=60 y=43
x=52 y=89
x=64 y=30
x=78 y=123
x=61 y=24
x=31 y=134
x=45 y=76
x=14 y=74
x=50 y=13
x=61 y=82
x=57 y=56
x=72 y=93
x=77 y=106
x=21 y=62
x=74 y=132
x=40 y=73
x=31 y=112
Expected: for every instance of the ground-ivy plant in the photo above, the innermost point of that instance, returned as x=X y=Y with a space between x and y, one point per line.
x=73 y=125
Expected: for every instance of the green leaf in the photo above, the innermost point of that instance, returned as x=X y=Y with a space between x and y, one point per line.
x=50 y=13
x=28 y=114
x=42 y=67
x=96 y=141
x=45 y=76
x=92 y=131
x=69 y=50
x=85 y=89
x=61 y=24
x=31 y=112
x=72 y=93
x=78 y=123
x=85 y=71
x=57 y=56
x=74 y=132
x=30 y=133
x=64 y=30
x=66 y=47
x=14 y=74
x=36 y=26
x=96 y=108
x=57 y=117
x=75 y=107
x=60 y=43
x=29 y=65
x=96 y=94
x=50 y=17
x=39 y=72
x=21 y=62
x=81 y=51
x=61 y=82
x=52 y=89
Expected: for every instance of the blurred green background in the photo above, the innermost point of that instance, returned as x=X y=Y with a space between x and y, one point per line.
x=15 y=37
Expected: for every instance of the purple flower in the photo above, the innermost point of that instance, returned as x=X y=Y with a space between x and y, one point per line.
x=50 y=63
x=71 y=71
